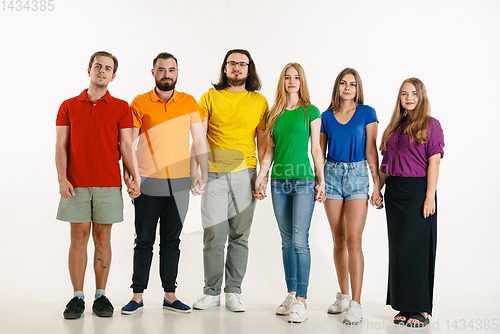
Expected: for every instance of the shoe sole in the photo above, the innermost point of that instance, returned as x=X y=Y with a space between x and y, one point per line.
x=206 y=307
x=298 y=320
x=349 y=322
x=176 y=310
x=103 y=314
x=331 y=312
x=236 y=310
x=72 y=316
x=282 y=313
x=131 y=312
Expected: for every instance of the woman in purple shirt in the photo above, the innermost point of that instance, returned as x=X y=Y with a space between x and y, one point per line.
x=412 y=146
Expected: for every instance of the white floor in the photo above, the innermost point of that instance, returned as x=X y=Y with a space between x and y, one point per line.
x=35 y=287
x=28 y=316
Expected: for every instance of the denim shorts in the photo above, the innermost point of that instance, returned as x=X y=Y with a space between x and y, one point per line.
x=346 y=180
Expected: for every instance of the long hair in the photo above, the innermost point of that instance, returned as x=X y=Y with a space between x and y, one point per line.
x=280 y=100
x=418 y=124
x=253 y=81
x=359 y=98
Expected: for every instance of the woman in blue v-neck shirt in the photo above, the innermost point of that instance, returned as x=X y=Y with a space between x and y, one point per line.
x=348 y=140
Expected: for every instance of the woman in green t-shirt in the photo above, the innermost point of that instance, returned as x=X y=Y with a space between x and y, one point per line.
x=291 y=121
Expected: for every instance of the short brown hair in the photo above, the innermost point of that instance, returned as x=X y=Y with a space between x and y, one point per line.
x=105 y=54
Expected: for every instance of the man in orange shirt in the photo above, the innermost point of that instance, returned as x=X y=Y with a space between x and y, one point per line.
x=163 y=120
x=93 y=130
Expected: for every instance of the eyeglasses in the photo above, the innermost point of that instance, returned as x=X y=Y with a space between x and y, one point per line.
x=234 y=63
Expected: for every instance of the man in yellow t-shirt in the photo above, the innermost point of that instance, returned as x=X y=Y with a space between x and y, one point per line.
x=235 y=115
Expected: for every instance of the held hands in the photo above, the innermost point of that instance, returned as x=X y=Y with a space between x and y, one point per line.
x=429 y=206
x=260 y=187
x=133 y=186
x=377 y=199
x=320 y=194
x=198 y=183
x=66 y=189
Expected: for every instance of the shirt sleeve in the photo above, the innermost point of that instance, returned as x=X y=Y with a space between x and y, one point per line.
x=136 y=114
x=204 y=105
x=435 y=141
x=125 y=120
x=263 y=117
x=63 y=115
x=371 y=115
x=312 y=113
x=196 y=114
x=323 y=120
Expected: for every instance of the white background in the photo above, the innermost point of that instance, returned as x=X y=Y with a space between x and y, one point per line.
x=453 y=46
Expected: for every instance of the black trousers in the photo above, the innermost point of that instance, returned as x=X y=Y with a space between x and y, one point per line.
x=171 y=212
x=412 y=245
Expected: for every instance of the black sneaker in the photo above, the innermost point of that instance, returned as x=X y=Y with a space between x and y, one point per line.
x=74 y=308
x=102 y=307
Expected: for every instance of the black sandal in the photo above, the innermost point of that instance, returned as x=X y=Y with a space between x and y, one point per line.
x=423 y=321
x=401 y=314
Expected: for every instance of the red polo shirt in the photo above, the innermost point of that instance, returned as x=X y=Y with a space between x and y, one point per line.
x=93 y=151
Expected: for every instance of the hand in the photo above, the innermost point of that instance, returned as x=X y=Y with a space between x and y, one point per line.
x=198 y=183
x=320 y=194
x=66 y=189
x=260 y=187
x=429 y=206
x=133 y=187
x=377 y=199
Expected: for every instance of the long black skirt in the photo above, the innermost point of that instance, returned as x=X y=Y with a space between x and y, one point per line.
x=412 y=245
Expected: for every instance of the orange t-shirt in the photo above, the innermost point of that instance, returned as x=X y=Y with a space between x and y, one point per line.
x=93 y=152
x=163 y=149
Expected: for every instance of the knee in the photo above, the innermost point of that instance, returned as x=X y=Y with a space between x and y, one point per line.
x=354 y=244
x=79 y=238
x=339 y=242
x=301 y=244
x=102 y=238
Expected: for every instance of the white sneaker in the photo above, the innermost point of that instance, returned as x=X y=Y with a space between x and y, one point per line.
x=354 y=315
x=298 y=313
x=206 y=301
x=341 y=304
x=233 y=302
x=286 y=306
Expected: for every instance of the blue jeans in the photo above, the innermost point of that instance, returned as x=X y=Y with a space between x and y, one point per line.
x=293 y=204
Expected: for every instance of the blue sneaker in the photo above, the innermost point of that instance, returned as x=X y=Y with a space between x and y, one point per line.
x=176 y=306
x=132 y=307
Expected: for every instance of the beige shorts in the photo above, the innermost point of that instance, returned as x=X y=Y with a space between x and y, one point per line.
x=103 y=205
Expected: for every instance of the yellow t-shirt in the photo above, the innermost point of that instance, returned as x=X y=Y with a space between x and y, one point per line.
x=233 y=119
x=163 y=149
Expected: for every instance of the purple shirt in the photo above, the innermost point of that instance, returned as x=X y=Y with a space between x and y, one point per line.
x=411 y=160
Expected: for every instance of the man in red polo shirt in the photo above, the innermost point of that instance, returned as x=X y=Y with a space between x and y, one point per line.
x=94 y=130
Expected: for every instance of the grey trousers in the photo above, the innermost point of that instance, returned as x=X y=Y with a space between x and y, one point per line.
x=227 y=208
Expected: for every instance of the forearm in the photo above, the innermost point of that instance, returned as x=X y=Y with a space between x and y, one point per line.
x=61 y=162
x=267 y=160
x=128 y=158
x=262 y=146
x=319 y=163
x=383 y=178
x=432 y=175
x=372 y=159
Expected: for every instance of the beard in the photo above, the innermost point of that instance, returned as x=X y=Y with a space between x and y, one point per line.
x=165 y=85
x=235 y=82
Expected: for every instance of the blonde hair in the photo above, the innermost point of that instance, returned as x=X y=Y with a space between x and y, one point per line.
x=359 y=98
x=418 y=124
x=280 y=100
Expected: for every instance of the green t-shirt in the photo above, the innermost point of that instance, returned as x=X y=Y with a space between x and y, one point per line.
x=291 y=139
